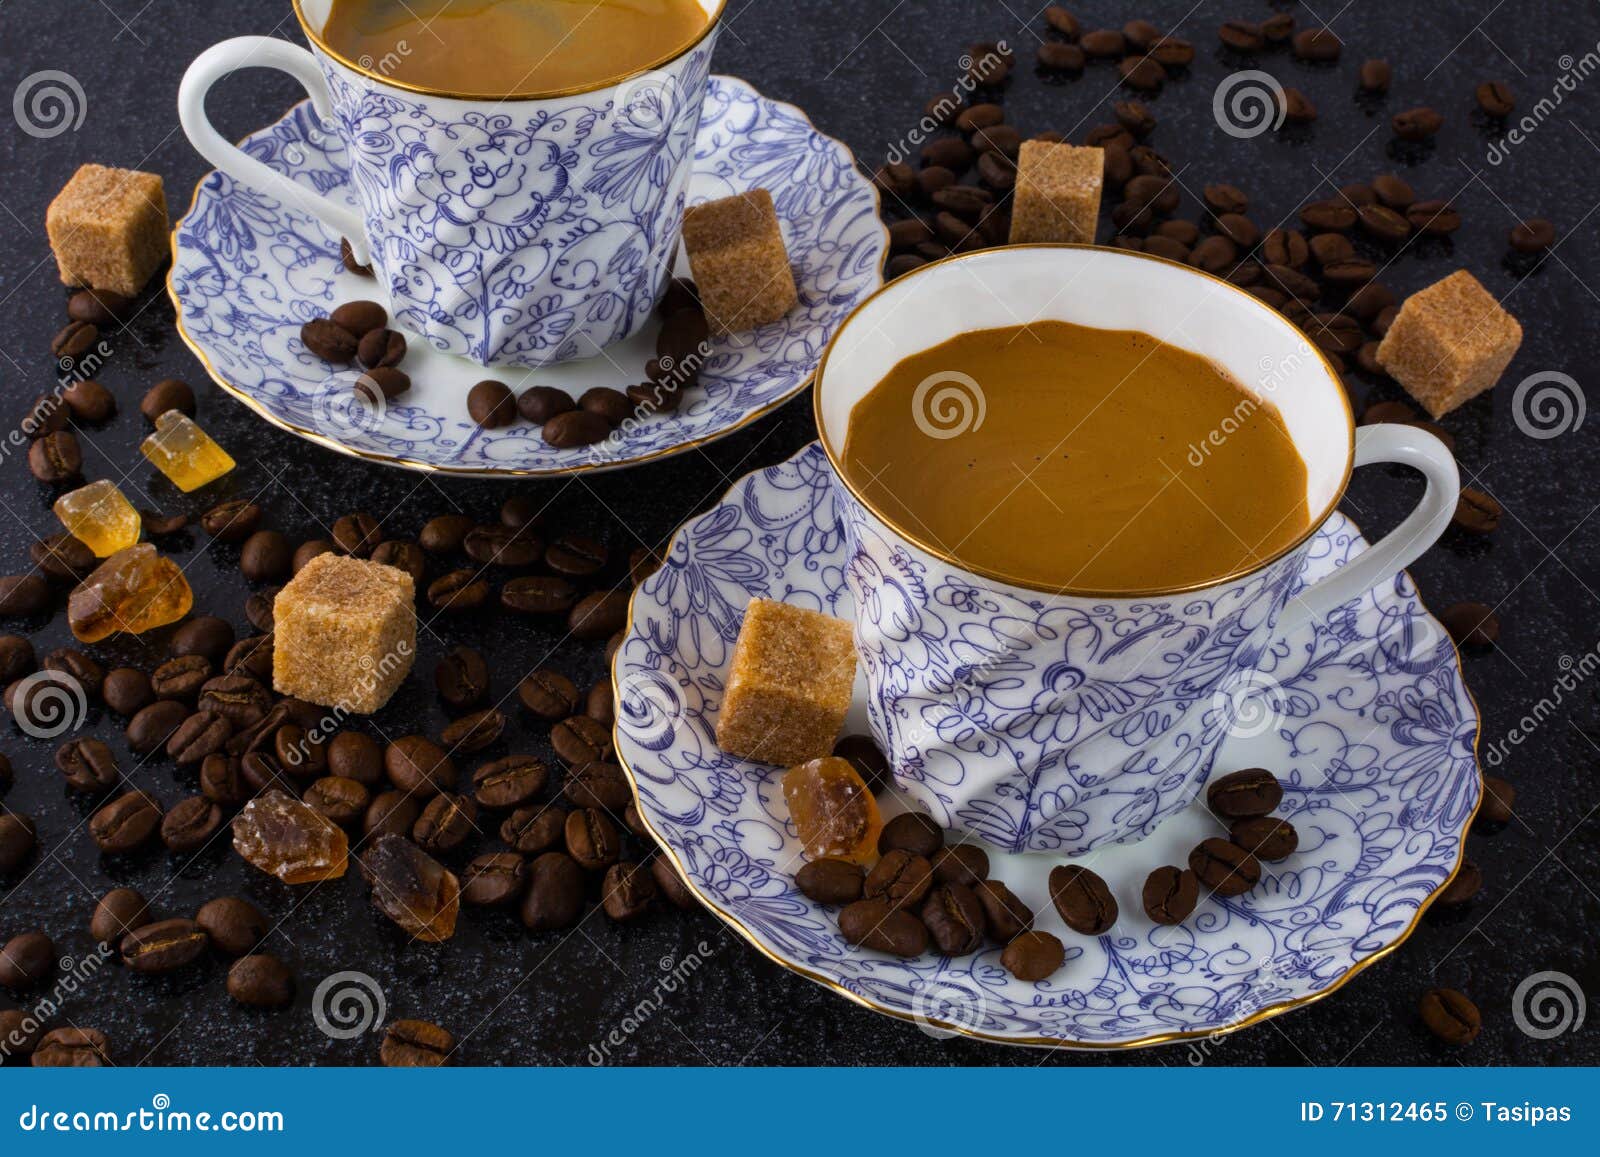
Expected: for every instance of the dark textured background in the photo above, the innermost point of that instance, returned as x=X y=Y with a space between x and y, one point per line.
x=863 y=71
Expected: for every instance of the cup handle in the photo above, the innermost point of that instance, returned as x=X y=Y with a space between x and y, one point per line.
x=263 y=52
x=1409 y=446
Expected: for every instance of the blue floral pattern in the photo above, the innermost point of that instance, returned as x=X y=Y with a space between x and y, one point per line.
x=248 y=271
x=1372 y=733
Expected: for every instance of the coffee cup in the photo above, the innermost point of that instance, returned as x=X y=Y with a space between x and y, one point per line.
x=522 y=230
x=1048 y=719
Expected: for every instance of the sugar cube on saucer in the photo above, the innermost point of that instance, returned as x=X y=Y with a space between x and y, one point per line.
x=739 y=260
x=789 y=687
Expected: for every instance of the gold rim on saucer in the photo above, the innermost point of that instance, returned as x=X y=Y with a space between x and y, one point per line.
x=1261 y=1014
x=713 y=20
x=945 y=556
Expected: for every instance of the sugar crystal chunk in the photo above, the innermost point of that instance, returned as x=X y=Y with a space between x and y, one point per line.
x=290 y=840
x=1057 y=196
x=133 y=591
x=100 y=517
x=1449 y=343
x=345 y=633
x=412 y=888
x=740 y=264
x=833 y=810
x=789 y=686
x=108 y=228
x=184 y=452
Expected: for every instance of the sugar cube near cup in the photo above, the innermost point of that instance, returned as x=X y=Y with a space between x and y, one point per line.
x=1449 y=343
x=108 y=228
x=1057 y=196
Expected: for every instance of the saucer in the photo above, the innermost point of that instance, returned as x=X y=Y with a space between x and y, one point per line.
x=247 y=272
x=1364 y=719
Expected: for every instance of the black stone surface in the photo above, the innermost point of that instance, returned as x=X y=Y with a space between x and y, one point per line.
x=863 y=71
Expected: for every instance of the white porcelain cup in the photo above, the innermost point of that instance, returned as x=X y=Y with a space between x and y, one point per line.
x=523 y=230
x=1060 y=720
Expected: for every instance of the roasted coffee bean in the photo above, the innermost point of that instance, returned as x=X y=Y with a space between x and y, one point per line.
x=74 y=339
x=190 y=824
x=1461 y=887
x=46 y=415
x=360 y=317
x=549 y=694
x=99 y=306
x=347 y=257
x=876 y=925
x=1242 y=35
x=1103 y=43
x=1059 y=57
x=575 y=556
x=1062 y=21
x=306 y=551
x=501 y=546
x=446 y=823
x=458 y=592
x=63 y=558
x=78 y=667
x=1239 y=229
x=237 y=698
x=1450 y=1016
x=592 y=839
x=911 y=832
x=1499 y=801
x=16 y=658
x=201 y=734
x=965 y=864
x=579 y=739
x=474 y=732
x=1327 y=215
x=461 y=678
x=90 y=402
x=1224 y=867
x=357 y=534
x=634 y=822
x=1082 y=899
x=900 y=878
x=72 y=1048
x=493 y=880
x=1534 y=235
x=597 y=785
x=1494 y=98
x=538 y=595
x=1476 y=512
x=1369 y=300
x=157 y=525
x=1254 y=791
x=221 y=782
x=671 y=885
x=867 y=758
x=979 y=116
x=261 y=981
x=402 y=555
x=542 y=404
x=601 y=704
x=344 y=801
x=382 y=383
x=1387 y=412
x=1331 y=248
x=1033 y=956
x=260 y=773
x=391 y=813
x=164 y=946
x=380 y=348
x=168 y=394
x=932 y=178
x=26 y=960
x=599 y=614
x=119 y=912
x=897 y=180
x=1335 y=333
x=1214 y=254
x=231 y=521
x=17 y=840
x=87 y=764
x=951 y=153
x=352 y=755
x=1416 y=124
x=534 y=829
x=1374 y=76
x=415 y=1044
x=266 y=556
x=1317 y=44
x=55 y=458
x=234 y=926
x=125 y=823
x=417 y=765
x=1170 y=895
x=182 y=678
x=1384 y=224
x=555 y=893
x=954 y=918
x=627 y=891
x=829 y=881
x=1265 y=837
x=491 y=404
x=203 y=635
x=1007 y=915
x=1472 y=625
x=573 y=428
x=1435 y=218
x=250 y=657
x=329 y=340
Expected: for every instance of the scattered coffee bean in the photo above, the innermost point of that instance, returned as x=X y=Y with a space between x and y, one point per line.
x=954 y=918
x=1170 y=895
x=1082 y=899
x=1416 y=124
x=599 y=614
x=1495 y=99
x=119 y=912
x=542 y=404
x=1499 y=801
x=555 y=893
x=1461 y=887
x=87 y=764
x=461 y=678
x=1317 y=44
x=597 y=784
x=56 y=458
x=329 y=340
x=1534 y=235
x=458 y=591
x=538 y=595
x=163 y=947
x=261 y=981
x=415 y=1044
x=491 y=404
x=1374 y=76
x=1474 y=626
x=899 y=878
x=391 y=813
x=671 y=885
x=417 y=765
x=1476 y=512
x=911 y=832
x=493 y=880
x=474 y=732
x=17 y=841
x=26 y=960
x=446 y=822
x=76 y=1048
x=1450 y=1016
x=549 y=694
x=234 y=926
x=627 y=891
x=874 y=924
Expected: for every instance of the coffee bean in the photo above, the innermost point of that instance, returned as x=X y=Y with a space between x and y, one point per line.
x=627 y=891
x=90 y=402
x=1317 y=44
x=549 y=694
x=500 y=546
x=16 y=658
x=493 y=880
x=1254 y=791
x=534 y=829
x=1224 y=867
x=201 y=734
x=597 y=784
x=303 y=755
x=830 y=881
x=474 y=732
x=491 y=404
x=951 y=153
x=1474 y=626
x=391 y=813
x=1297 y=107
x=100 y=307
x=598 y=614
x=1033 y=956
x=402 y=555
x=78 y=667
x=1242 y=36
x=381 y=348
x=965 y=864
x=1265 y=837
x=261 y=981
x=538 y=595
x=575 y=428
x=1476 y=512
x=1331 y=248
x=87 y=764
x=1499 y=801
x=191 y=823
x=76 y=1048
x=900 y=878
x=932 y=178
x=575 y=556
x=579 y=739
x=266 y=556
x=445 y=533
x=74 y=340
x=541 y=404
x=1384 y=224
x=461 y=677
x=163 y=947
x=125 y=823
x=1435 y=218
x=26 y=960
x=203 y=635
x=181 y=678
x=17 y=840
x=1416 y=124
x=342 y=801
x=356 y=534
x=167 y=394
x=119 y=912
x=1170 y=895
x=251 y=657
x=458 y=592
x=158 y=525
x=1495 y=99
x=352 y=755
x=1461 y=887
x=954 y=918
x=670 y=885
x=600 y=704
x=446 y=822
x=359 y=317
x=1450 y=1016
x=234 y=926
x=347 y=258
x=231 y=521
x=1387 y=412
x=415 y=1044
x=415 y=764
x=1374 y=76
x=55 y=458
x=221 y=781
x=1059 y=57
x=382 y=382
x=876 y=925
x=1082 y=899
x=867 y=758
x=1103 y=43
x=911 y=832
x=555 y=893
x=1214 y=254
x=237 y=698
x=1534 y=235
x=329 y=340
x=592 y=839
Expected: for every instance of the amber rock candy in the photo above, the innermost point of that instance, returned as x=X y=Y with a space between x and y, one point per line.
x=100 y=517
x=133 y=591
x=412 y=888
x=833 y=810
x=288 y=839
x=184 y=452
x=789 y=685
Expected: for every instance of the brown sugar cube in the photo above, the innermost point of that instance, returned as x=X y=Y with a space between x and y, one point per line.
x=1057 y=196
x=345 y=633
x=108 y=228
x=739 y=261
x=789 y=687
x=1449 y=343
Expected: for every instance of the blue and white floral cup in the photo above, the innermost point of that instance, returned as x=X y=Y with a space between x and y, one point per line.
x=1062 y=720
x=519 y=231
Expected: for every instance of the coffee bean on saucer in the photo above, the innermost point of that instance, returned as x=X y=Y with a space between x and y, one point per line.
x=329 y=340
x=911 y=832
x=1033 y=956
x=965 y=864
x=359 y=317
x=56 y=458
x=1255 y=791
x=1082 y=899
x=580 y=739
x=867 y=758
x=382 y=384
x=597 y=784
x=26 y=960
x=261 y=980
x=1498 y=802
x=415 y=1044
x=611 y=405
x=829 y=881
x=549 y=694
x=1534 y=235
x=1450 y=1016
x=1474 y=626
x=954 y=918
x=119 y=912
x=380 y=347
x=1224 y=867
x=598 y=614
x=899 y=878
x=876 y=925
x=1170 y=894
x=234 y=926
x=491 y=404
x=1374 y=76
x=539 y=404
x=1265 y=837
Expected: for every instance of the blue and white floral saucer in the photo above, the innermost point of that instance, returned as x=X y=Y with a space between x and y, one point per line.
x=1366 y=721
x=247 y=272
